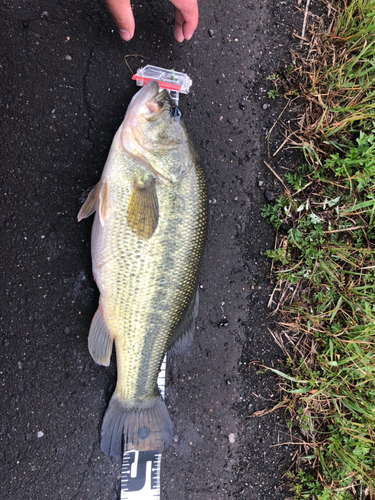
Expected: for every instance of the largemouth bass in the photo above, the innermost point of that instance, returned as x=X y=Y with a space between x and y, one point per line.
x=146 y=245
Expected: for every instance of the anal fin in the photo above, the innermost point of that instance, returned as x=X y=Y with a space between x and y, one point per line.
x=100 y=341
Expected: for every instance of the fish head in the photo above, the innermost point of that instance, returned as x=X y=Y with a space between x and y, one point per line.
x=152 y=132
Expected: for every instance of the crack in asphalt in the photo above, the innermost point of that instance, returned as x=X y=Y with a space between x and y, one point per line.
x=86 y=96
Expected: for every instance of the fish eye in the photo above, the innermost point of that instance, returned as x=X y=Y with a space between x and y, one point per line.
x=176 y=113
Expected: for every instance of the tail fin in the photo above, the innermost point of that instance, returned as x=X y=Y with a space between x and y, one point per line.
x=125 y=428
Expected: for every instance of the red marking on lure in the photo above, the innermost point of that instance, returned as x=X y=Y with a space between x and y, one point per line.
x=162 y=85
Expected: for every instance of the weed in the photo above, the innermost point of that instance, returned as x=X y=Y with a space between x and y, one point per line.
x=334 y=77
x=323 y=259
x=273 y=93
x=326 y=275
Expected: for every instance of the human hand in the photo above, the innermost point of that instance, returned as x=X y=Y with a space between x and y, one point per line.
x=185 y=19
x=185 y=13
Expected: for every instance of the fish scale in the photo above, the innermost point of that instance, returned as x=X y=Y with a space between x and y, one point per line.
x=156 y=326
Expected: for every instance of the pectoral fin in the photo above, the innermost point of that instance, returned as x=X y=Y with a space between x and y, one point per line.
x=97 y=196
x=100 y=341
x=143 y=208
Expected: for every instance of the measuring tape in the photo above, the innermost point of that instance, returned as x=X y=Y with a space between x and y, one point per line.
x=140 y=471
x=140 y=475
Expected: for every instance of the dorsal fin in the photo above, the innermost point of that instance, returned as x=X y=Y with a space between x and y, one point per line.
x=89 y=207
x=96 y=200
x=103 y=203
x=183 y=334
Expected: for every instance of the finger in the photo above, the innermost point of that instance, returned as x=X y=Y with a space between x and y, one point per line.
x=178 y=26
x=178 y=33
x=123 y=16
x=186 y=16
x=190 y=25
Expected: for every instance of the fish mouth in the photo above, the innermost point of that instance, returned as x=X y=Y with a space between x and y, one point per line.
x=148 y=102
x=143 y=105
x=146 y=96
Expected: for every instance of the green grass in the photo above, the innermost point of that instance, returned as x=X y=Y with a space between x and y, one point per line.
x=336 y=76
x=326 y=272
x=324 y=264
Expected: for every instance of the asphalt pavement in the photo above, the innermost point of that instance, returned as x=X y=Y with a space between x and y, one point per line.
x=65 y=86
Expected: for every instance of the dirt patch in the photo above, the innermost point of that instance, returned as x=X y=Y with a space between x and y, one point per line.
x=65 y=87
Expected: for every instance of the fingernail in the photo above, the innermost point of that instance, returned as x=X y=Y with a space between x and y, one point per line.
x=125 y=35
